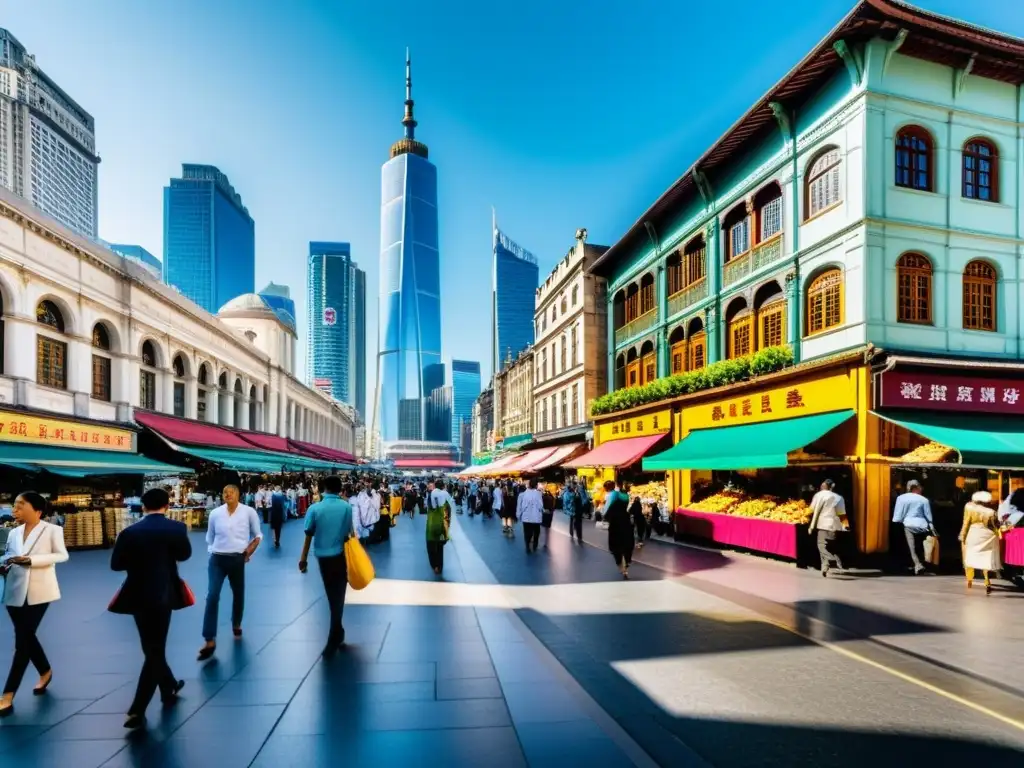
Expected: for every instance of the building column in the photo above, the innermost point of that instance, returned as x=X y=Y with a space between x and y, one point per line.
x=610 y=331
x=793 y=320
x=166 y=394
x=227 y=407
x=661 y=347
x=244 y=422
x=713 y=336
x=712 y=245
x=192 y=398
x=213 y=406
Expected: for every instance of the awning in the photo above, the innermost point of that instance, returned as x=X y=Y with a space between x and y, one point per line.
x=560 y=454
x=526 y=462
x=259 y=461
x=748 y=446
x=497 y=466
x=615 y=453
x=191 y=432
x=322 y=451
x=426 y=464
x=80 y=462
x=992 y=441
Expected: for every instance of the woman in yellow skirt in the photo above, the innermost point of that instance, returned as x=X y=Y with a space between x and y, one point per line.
x=980 y=539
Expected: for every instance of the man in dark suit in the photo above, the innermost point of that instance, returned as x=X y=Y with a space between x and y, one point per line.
x=149 y=551
x=277 y=514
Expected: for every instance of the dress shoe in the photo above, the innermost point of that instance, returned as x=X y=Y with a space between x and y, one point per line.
x=172 y=698
x=132 y=722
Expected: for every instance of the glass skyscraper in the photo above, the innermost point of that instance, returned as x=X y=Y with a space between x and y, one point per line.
x=209 y=238
x=140 y=256
x=465 y=390
x=336 y=324
x=514 y=280
x=410 y=307
x=279 y=299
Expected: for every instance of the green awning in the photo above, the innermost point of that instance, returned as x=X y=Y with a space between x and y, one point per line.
x=749 y=446
x=981 y=440
x=82 y=462
x=260 y=461
x=516 y=440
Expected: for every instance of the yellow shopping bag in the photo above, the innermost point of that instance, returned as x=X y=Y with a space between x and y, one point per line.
x=360 y=567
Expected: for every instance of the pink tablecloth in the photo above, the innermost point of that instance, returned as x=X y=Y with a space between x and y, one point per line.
x=750 y=533
x=1014 y=552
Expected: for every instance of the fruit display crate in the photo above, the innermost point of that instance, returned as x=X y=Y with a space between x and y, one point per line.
x=750 y=533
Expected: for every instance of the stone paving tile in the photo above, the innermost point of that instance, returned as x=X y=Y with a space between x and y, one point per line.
x=46 y=753
x=239 y=692
x=436 y=715
x=452 y=669
x=570 y=743
x=469 y=688
x=541 y=703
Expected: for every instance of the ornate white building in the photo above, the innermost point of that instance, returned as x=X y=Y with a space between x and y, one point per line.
x=88 y=333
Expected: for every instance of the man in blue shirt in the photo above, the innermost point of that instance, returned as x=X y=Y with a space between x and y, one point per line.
x=328 y=524
x=572 y=504
x=913 y=510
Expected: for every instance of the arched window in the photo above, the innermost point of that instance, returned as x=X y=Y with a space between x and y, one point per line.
x=565 y=352
x=239 y=405
x=696 y=345
x=101 y=363
x=632 y=302
x=147 y=378
x=575 y=357
x=646 y=294
x=981 y=167
x=632 y=368
x=914 y=168
x=565 y=408
x=687 y=267
x=620 y=372
x=771 y=315
x=914 y=289
x=648 y=363
x=768 y=209
x=737 y=231
x=980 y=296
x=179 y=367
x=252 y=408
x=825 y=301
x=677 y=351
x=203 y=378
x=51 y=354
x=575 y=295
x=821 y=186
x=565 y=305
x=740 y=330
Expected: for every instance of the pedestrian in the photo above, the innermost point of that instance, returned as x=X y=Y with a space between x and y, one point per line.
x=328 y=525
x=278 y=512
x=913 y=510
x=636 y=511
x=149 y=552
x=828 y=519
x=29 y=566
x=586 y=504
x=980 y=539
x=409 y=499
x=620 y=526
x=549 y=514
x=472 y=497
x=530 y=510
x=439 y=515
x=232 y=536
x=572 y=506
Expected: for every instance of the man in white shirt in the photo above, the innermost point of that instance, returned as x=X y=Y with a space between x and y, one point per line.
x=828 y=517
x=232 y=536
x=530 y=510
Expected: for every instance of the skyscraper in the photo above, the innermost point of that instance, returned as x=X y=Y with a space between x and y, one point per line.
x=209 y=238
x=47 y=142
x=465 y=390
x=410 y=309
x=279 y=298
x=140 y=256
x=514 y=280
x=336 y=324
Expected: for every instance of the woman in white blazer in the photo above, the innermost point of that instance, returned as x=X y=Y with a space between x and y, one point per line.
x=30 y=585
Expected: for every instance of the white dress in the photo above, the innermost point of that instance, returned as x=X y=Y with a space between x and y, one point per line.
x=981 y=545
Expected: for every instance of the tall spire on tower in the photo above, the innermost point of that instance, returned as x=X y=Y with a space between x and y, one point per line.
x=408 y=144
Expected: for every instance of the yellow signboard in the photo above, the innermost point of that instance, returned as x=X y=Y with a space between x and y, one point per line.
x=657 y=423
x=43 y=430
x=799 y=398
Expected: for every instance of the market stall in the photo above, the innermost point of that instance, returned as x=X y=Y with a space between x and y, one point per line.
x=619 y=445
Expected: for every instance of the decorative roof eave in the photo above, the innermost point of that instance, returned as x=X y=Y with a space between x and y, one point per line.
x=931 y=36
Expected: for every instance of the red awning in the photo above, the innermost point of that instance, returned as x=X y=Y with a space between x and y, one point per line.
x=267 y=442
x=560 y=454
x=615 y=453
x=426 y=464
x=322 y=452
x=191 y=432
x=527 y=462
x=497 y=466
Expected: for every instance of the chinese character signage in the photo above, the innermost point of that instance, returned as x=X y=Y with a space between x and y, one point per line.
x=330 y=316
x=649 y=424
x=950 y=392
x=21 y=428
x=800 y=398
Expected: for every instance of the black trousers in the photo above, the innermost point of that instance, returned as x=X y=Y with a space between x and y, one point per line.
x=641 y=529
x=334 y=572
x=532 y=533
x=26 y=620
x=435 y=554
x=623 y=554
x=276 y=526
x=153 y=626
x=576 y=526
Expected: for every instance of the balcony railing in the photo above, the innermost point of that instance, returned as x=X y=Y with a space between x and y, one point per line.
x=691 y=294
x=760 y=255
x=646 y=321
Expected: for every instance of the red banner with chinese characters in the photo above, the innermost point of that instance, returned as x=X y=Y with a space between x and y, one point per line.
x=951 y=392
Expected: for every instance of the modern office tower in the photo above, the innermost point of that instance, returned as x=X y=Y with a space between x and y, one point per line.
x=140 y=256
x=410 y=310
x=336 y=324
x=47 y=142
x=279 y=298
x=209 y=238
x=439 y=415
x=514 y=279
x=465 y=390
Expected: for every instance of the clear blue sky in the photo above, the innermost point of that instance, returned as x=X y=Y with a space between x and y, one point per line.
x=559 y=114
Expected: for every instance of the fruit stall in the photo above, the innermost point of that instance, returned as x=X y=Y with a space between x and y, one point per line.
x=653 y=496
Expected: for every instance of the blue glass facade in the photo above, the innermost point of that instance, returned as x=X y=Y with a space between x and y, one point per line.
x=465 y=390
x=209 y=238
x=139 y=254
x=410 y=291
x=439 y=415
x=279 y=299
x=336 y=323
x=514 y=287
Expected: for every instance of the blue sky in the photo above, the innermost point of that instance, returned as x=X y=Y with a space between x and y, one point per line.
x=560 y=115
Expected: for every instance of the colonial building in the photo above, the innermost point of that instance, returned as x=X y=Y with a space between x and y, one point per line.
x=483 y=422
x=513 y=398
x=89 y=333
x=570 y=348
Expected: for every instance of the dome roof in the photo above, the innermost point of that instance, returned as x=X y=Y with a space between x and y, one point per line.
x=247 y=302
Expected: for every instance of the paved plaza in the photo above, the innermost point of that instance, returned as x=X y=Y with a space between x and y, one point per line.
x=550 y=659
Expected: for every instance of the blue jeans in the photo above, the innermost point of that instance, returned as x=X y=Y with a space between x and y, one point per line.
x=231 y=567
